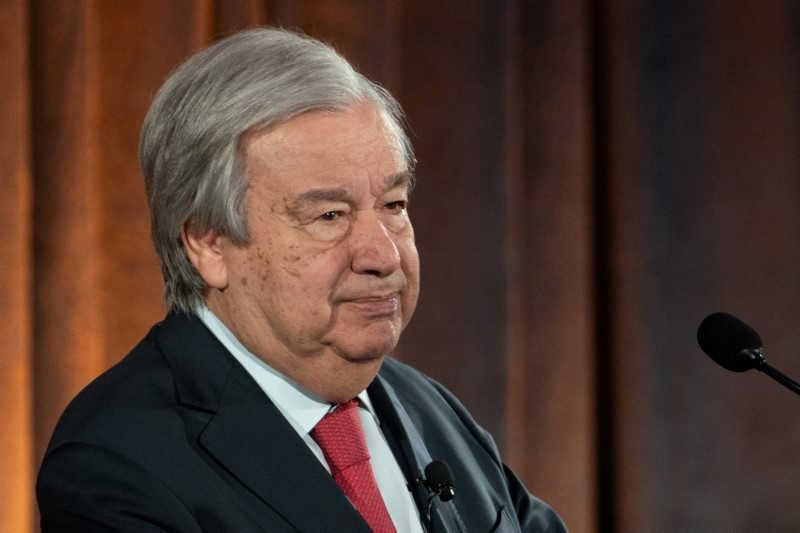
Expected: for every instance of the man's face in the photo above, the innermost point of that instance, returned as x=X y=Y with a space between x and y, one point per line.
x=331 y=275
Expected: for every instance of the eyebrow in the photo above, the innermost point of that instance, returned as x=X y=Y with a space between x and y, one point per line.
x=406 y=177
x=340 y=194
x=336 y=194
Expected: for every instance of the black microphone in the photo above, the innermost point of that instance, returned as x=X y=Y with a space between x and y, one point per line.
x=439 y=480
x=737 y=347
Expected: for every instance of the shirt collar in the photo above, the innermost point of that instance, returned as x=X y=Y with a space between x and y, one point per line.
x=300 y=407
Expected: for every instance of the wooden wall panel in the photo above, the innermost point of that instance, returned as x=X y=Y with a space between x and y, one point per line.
x=68 y=323
x=551 y=322
x=233 y=15
x=95 y=68
x=364 y=32
x=704 y=210
x=134 y=57
x=16 y=469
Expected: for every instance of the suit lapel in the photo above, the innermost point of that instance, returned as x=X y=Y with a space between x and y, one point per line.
x=413 y=456
x=252 y=439
x=248 y=435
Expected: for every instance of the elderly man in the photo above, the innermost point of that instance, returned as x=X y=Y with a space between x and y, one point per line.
x=278 y=181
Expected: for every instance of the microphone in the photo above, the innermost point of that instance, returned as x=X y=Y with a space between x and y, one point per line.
x=736 y=346
x=729 y=341
x=439 y=480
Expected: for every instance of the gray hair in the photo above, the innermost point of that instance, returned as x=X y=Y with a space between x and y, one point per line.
x=190 y=146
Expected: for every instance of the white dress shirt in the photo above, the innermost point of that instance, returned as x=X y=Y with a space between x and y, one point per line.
x=303 y=410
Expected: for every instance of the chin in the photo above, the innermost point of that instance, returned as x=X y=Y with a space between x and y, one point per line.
x=359 y=346
x=368 y=350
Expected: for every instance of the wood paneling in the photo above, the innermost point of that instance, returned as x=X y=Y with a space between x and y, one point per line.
x=551 y=324
x=68 y=331
x=16 y=439
x=702 y=116
x=95 y=67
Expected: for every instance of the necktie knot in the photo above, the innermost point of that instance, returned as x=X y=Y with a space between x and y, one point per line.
x=341 y=437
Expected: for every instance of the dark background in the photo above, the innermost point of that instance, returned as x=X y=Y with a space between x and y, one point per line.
x=594 y=178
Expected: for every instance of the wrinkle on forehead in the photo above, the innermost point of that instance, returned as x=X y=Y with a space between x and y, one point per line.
x=281 y=142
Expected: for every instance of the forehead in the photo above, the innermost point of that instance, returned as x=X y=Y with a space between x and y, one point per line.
x=317 y=146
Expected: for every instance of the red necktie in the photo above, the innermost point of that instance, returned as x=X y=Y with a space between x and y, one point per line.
x=342 y=440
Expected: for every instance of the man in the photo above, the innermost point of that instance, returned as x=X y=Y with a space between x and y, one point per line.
x=278 y=180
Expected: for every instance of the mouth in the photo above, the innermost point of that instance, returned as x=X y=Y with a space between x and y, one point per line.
x=375 y=306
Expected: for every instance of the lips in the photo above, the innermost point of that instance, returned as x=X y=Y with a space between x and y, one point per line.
x=375 y=305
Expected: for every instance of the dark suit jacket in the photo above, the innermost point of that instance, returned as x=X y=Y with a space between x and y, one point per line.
x=179 y=437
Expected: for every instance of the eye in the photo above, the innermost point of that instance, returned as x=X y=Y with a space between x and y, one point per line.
x=330 y=216
x=397 y=207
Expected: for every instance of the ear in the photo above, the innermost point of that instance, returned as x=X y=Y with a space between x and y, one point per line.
x=205 y=253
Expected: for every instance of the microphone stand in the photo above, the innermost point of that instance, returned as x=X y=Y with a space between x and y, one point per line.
x=759 y=363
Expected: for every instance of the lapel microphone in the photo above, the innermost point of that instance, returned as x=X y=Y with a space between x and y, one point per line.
x=439 y=480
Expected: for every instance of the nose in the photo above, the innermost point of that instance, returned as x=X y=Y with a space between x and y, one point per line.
x=373 y=248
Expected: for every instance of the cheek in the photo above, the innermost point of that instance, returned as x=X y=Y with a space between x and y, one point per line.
x=294 y=261
x=409 y=258
x=263 y=264
x=410 y=266
x=311 y=275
